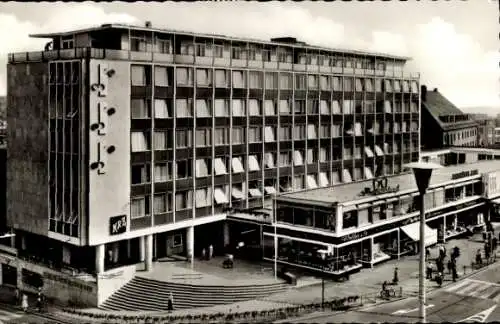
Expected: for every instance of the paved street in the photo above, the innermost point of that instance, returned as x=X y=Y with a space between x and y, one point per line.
x=473 y=299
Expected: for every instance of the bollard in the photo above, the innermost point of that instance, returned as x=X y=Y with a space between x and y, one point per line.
x=464 y=269
x=400 y=292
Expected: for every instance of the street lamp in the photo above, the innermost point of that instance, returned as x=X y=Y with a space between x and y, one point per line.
x=323 y=256
x=422 y=172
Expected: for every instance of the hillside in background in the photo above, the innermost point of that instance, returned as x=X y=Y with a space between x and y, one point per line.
x=490 y=111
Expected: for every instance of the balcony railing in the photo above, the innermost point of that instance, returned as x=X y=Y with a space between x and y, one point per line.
x=110 y=54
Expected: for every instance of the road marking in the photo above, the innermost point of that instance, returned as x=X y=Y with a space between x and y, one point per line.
x=7 y=316
x=406 y=311
x=484 y=282
x=480 y=317
x=458 y=285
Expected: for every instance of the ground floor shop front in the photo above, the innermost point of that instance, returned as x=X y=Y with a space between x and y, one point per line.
x=339 y=256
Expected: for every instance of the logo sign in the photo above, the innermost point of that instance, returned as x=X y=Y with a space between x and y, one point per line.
x=464 y=174
x=117 y=225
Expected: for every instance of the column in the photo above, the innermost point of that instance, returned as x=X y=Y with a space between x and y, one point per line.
x=399 y=242
x=444 y=229
x=148 y=255
x=142 y=248
x=99 y=258
x=129 y=249
x=190 y=243
x=371 y=252
x=226 y=234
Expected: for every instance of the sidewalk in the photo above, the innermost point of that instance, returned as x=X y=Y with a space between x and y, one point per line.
x=366 y=282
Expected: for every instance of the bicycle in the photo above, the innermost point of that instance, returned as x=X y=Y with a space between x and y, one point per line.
x=388 y=293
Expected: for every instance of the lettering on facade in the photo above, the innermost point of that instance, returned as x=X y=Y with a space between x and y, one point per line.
x=66 y=281
x=379 y=186
x=464 y=174
x=354 y=236
x=117 y=225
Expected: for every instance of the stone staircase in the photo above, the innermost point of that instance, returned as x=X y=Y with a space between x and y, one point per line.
x=152 y=295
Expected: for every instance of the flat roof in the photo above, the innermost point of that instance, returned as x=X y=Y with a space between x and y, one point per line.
x=351 y=191
x=222 y=37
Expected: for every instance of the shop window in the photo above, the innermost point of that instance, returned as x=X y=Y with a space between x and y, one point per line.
x=177 y=241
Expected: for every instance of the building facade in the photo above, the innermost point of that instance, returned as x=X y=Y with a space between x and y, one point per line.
x=124 y=139
x=445 y=125
x=362 y=224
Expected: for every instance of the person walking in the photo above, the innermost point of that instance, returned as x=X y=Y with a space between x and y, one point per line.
x=17 y=297
x=170 y=303
x=210 y=251
x=429 y=270
x=203 y=254
x=395 y=279
x=479 y=260
x=24 y=303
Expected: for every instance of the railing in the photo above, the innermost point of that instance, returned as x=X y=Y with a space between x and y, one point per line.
x=111 y=54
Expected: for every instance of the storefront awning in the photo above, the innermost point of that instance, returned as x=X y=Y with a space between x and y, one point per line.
x=495 y=201
x=413 y=231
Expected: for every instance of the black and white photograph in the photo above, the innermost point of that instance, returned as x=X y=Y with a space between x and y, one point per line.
x=250 y=162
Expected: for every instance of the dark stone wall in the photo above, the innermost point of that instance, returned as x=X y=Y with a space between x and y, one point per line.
x=27 y=138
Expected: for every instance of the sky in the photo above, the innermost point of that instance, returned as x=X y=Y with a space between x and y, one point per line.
x=453 y=44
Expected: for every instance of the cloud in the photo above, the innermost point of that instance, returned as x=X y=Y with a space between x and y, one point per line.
x=453 y=62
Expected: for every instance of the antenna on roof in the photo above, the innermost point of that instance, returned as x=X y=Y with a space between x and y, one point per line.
x=148 y=24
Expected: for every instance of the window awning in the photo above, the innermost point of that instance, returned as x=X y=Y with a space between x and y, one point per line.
x=323 y=179
x=237 y=193
x=311 y=182
x=253 y=164
x=220 y=167
x=495 y=201
x=270 y=190
x=237 y=166
x=220 y=196
x=413 y=232
x=255 y=192
x=368 y=151
x=378 y=151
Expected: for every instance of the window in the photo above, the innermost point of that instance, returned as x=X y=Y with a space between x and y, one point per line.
x=298 y=158
x=163 y=109
x=220 y=166
x=218 y=51
x=269 y=134
x=299 y=132
x=253 y=163
x=300 y=107
x=221 y=136
x=162 y=46
x=221 y=78
x=312 y=107
x=163 y=171
x=312 y=82
x=140 y=173
x=324 y=107
x=266 y=55
x=251 y=53
x=184 y=76
x=200 y=49
x=285 y=133
x=203 y=197
x=336 y=130
x=140 y=141
x=269 y=160
x=183 y=138
x=285 y=159
x=140 y=207
x=254 y=107
x=337 y=84
x=237 y=164
x=271 y=80
x=140 y=75
x=254 y=135
x=323 y=154
x=270 y=107
x=239 y=79
x=300 y=81
x=203 y=137
x=140 y=108
x=324 y=131
x=183 y=200
x=255 y=80
x=286 y=81
x=336 y=110
x=238 y=108
x=203 y=108
x=183 y=169
x=282 y=56
x=324 y=82
x=348 y=86
x=184 y=107
x=285 y=107
x=238 y=135
x=138 y=43
x=203 y=168
x=221 y=195
x=312 y=131
x=348 y=106
x=162 y=203
x=204 y=77
x=388 y=86
x=236 y=53
x=359 y=85
x=162 y=140
x=311 y=156
x=161 y=76
x=221 y=107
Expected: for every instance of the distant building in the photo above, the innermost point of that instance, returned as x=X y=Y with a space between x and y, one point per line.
x=443 y=124
x=486 y=129
x=497 y=135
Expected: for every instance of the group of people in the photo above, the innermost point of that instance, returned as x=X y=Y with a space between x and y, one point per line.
x=440 y=261
x=23 y=300
x=207 y=255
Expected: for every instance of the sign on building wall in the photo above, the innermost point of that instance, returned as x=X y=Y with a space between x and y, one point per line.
x=117 y=225
x=464 y=174
x=491 y=183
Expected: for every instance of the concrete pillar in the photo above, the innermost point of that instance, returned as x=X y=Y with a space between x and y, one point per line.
x=129 y=249
x=372 y=243
x=99 y=258
x=142 y=248
x=190 y=242
x=226 y=234
x=148 y=255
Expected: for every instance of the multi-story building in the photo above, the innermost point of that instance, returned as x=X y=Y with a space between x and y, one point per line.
x=486 y=129
x=443 y=124
x=124 y=139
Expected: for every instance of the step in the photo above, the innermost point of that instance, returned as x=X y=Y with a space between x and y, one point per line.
x=159 y=282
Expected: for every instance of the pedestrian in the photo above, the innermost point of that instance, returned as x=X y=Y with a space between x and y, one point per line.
x=24 y=303
x=450 y=265
x=479 y=260
x=203 y=254
x=495 y=242
x=486 y=250
x=171 y=302
x=210 y=251
x=395 y=279
x=429 y=270
x=454 y=272
x=17 y=296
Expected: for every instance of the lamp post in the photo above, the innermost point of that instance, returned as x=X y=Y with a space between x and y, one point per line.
x=422 y=172
x=323 y=256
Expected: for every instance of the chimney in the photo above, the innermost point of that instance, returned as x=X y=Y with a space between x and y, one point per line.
x=435 y=89
x=423 y=92
x=148 y=24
